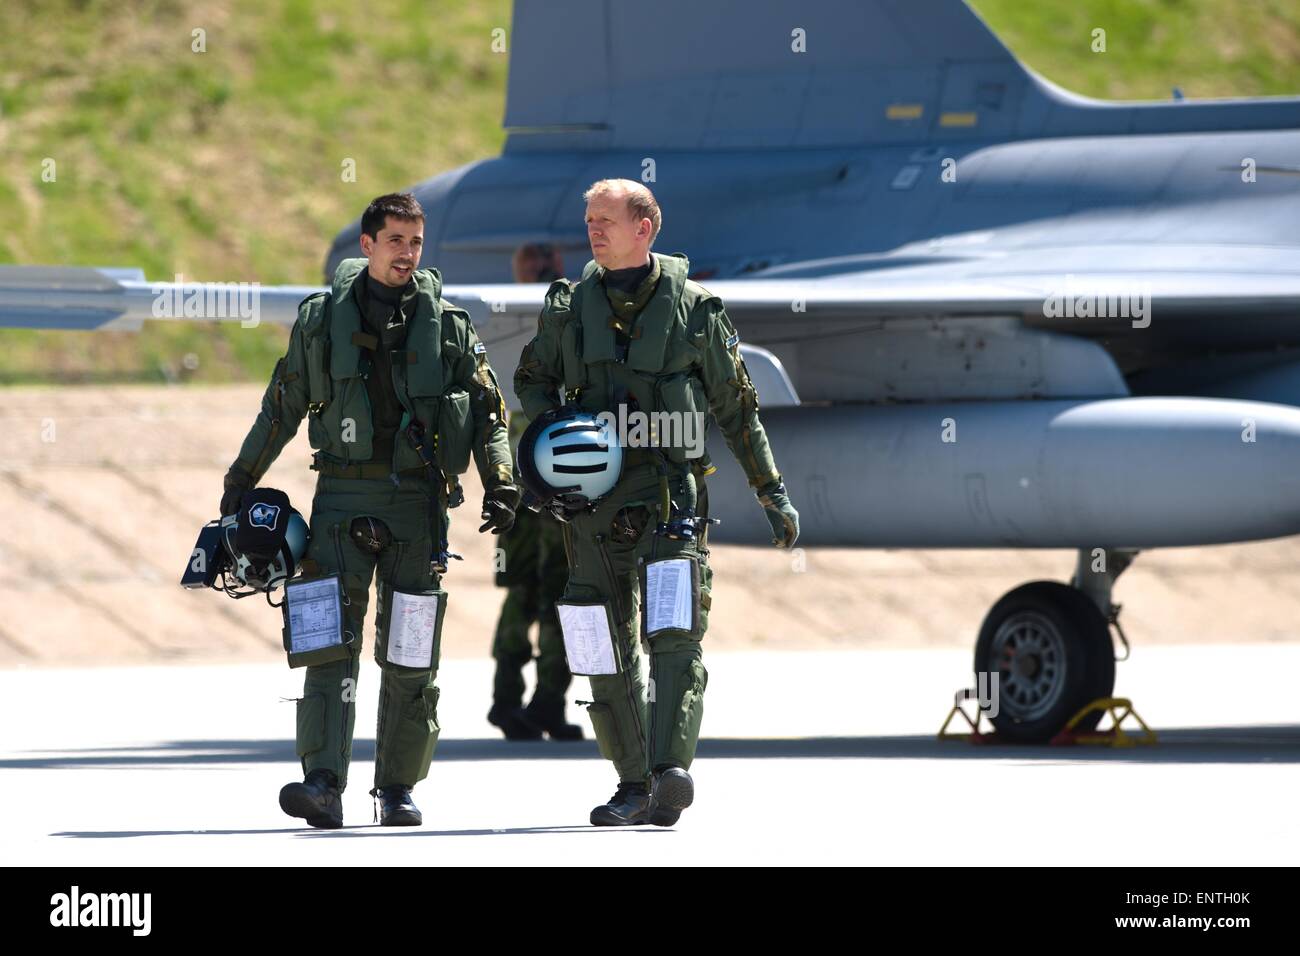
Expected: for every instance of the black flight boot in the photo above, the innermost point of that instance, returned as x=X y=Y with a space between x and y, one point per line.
x=317 y=799
x=397 y=809
x=514 y=723
x=549 y=715
x=672 y=792
x=628 y=807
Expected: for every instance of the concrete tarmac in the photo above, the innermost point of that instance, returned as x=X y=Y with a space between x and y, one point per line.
x=808 y=757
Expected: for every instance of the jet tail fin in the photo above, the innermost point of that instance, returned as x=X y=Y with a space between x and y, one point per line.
x=741 y=74
x=606 y=74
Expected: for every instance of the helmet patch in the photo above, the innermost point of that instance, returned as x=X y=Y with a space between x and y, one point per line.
x=262 y=515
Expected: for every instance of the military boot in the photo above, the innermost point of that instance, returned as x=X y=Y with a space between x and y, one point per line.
x=397 y=806
x=514 y=723
x=672 y=792
x=549 y=716
x=317 y=799
x=628 y=807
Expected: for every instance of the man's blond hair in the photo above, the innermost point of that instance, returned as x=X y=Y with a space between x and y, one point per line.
x=640 y=200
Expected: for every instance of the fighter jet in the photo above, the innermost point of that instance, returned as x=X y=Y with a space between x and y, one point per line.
x=981 y=311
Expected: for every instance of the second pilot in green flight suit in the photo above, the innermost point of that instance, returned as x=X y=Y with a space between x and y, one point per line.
x=636 y=333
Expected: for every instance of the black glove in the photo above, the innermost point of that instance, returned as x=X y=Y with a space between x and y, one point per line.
x=780 y=514
x=499 y=504
x=237 y=482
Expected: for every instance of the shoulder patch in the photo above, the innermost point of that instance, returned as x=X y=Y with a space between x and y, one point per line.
x=733 y=340
x=479 y=348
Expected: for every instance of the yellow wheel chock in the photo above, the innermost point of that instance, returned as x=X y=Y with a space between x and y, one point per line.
x=1115 y=736
x=1119 y=708
x=976 y=736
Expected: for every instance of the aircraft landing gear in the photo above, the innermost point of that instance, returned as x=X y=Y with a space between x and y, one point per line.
x=1049 y=643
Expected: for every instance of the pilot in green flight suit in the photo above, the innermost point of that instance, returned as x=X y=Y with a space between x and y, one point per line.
x=636 y=332
x=398 y=394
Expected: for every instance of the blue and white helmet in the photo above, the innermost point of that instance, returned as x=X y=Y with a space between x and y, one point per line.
x=571 y=456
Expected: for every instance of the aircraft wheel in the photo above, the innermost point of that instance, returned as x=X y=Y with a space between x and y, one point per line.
x=1051 y=649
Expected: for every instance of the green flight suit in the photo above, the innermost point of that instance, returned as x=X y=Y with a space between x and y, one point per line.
x=533 y=572
x=678 y=353
x=441 y=378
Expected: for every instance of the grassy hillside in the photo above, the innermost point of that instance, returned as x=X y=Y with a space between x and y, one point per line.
x=227 y=164
x=1206 y=48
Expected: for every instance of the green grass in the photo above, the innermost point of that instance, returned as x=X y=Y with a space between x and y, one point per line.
x=225 y=165
x=1206 y=48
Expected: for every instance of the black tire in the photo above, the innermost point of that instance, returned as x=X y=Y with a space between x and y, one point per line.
x=1051 y=648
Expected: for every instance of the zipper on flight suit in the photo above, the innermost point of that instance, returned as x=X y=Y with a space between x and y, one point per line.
x=616 y=595
x=653 y=706
x=392 y=474
x=370 y=414
x=387 y=611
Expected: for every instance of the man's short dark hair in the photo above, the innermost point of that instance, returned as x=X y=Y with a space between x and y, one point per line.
x=398 y=205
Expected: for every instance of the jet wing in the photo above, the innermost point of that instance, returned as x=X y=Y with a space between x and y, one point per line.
x=1169 y=280
x=110 y=299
